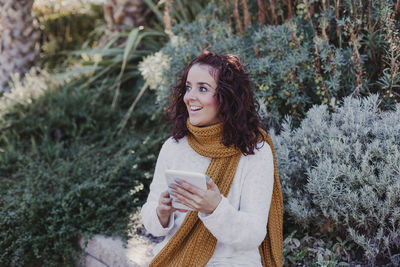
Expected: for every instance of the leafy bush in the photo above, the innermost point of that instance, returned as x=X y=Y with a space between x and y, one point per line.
x=64 y=173
x=283 y=69
x=368 y=28
x=318 y=251
x=340 y=172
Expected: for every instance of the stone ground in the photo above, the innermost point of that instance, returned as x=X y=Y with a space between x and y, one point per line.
x=109 y=252
x=104 y=251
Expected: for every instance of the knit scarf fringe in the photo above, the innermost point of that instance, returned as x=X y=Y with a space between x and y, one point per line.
x=193 y=245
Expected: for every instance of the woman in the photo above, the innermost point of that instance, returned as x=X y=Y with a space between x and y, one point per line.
x=216 y=130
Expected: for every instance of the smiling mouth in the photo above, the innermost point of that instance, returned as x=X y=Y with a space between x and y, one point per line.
x=194 y=108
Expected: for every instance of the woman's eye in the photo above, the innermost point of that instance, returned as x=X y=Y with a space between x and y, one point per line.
x=203 y=89
x=188 y=88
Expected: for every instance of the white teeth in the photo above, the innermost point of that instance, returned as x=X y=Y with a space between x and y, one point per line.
x=193 y=108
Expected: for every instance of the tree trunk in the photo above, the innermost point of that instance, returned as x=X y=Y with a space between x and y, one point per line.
x=18 y=39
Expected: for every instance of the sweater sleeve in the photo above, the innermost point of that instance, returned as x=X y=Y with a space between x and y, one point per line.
x=157 y=186
x=247 y=226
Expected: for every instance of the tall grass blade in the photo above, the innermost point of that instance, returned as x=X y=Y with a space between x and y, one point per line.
x=72 y=73
x=183 y=10
x=128 y=114
x=154 y=8
x=131 y=44
x=134 y=38
x=102 y=53
x=102 y=72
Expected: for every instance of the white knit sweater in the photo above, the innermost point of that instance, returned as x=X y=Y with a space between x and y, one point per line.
x=239 y=222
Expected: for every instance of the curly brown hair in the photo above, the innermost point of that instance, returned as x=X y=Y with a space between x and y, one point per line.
x=236 y=105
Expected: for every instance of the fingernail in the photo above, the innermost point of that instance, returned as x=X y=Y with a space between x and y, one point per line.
x=170 y=186
x=170 y=193
x=175 y=200
x=208 y=178
x=177 y=180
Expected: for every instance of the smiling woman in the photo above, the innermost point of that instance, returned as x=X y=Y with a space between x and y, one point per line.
x=216 y=130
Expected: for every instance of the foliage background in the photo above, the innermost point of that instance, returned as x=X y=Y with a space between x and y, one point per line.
x=344 y=174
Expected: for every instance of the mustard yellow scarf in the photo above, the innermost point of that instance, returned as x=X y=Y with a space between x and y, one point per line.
x=193 y=244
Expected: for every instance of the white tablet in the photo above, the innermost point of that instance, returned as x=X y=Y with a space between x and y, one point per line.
x=195 y=178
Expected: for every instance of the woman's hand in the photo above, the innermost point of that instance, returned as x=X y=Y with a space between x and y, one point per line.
x=164 y=208
x=204 y=201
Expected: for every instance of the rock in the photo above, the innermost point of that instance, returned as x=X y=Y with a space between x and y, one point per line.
x=104 y=251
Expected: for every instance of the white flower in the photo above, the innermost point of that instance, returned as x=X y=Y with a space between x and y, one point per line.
x=151 y=68
x=23 y=91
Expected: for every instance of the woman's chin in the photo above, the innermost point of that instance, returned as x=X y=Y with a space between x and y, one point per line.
x=195 y=122
x=199 y=123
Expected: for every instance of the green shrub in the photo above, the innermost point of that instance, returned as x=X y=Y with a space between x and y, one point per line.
x=64 y=173
x=329 y=251
x=340 y=172
x=283 y=69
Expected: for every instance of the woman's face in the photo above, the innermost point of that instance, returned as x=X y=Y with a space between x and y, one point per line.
x=200 y=97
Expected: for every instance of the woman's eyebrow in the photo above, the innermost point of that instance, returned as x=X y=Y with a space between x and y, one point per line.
x=201 y=83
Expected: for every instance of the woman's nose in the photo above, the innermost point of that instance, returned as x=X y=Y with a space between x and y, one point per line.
x=192 y=94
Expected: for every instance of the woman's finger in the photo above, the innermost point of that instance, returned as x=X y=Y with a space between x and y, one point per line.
x=179 y=183
x=165 y=201
x=183 y=193
x=187 y=202
x=164 y=207
x=164 y=194
x=211 y=185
